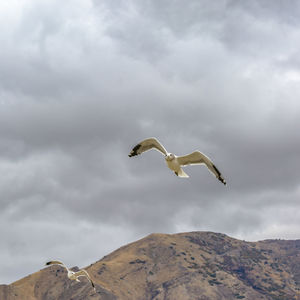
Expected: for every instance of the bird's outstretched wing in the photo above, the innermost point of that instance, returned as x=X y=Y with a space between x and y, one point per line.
x=146 y=145
x=197 y=158
x=56 y=262
x=86 y=274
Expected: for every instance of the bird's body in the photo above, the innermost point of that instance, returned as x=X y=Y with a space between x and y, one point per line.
x=71 y=274
x=175 y=163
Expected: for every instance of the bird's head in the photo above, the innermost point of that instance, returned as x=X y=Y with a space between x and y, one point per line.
x=170 y=156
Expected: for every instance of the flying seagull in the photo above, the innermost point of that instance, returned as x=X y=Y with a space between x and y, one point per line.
x=176 y=162
x=72 y=275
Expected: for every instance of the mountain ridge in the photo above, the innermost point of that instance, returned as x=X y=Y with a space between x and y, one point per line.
x=190 y=265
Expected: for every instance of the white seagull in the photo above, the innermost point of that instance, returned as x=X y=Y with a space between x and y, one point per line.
x=176 y=162
x=72 y=275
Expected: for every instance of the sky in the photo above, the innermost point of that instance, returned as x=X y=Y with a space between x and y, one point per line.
x=83 y=81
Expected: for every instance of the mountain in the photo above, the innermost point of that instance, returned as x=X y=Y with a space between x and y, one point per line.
x=195 y=265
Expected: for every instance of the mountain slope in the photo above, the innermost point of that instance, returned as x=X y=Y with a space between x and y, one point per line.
x=196 y=265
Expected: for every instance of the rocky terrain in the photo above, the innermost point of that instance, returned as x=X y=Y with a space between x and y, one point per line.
x=195 y=265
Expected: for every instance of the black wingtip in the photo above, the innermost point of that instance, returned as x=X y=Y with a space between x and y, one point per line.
x=218 y=172
x=219 y=175
x=134 y=150
x=222 y=180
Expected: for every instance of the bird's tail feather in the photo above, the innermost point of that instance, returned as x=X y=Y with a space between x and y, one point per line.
x=182 y=174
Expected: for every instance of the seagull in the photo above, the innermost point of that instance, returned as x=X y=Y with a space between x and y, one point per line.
x=72 y=275
x=176 y=162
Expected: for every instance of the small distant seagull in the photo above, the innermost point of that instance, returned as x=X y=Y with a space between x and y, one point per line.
x=176 y=162
x=72 y=275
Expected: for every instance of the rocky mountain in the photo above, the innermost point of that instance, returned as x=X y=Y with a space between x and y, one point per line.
x=195 y=265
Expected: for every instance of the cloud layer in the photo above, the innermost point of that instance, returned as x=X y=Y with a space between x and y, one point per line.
x=82 y=82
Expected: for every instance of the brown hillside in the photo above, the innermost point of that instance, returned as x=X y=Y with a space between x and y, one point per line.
x=196 y=265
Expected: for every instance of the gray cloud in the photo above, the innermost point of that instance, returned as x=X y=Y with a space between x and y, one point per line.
x=78 y=90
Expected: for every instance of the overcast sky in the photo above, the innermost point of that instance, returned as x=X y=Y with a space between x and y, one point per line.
x=82 y=82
